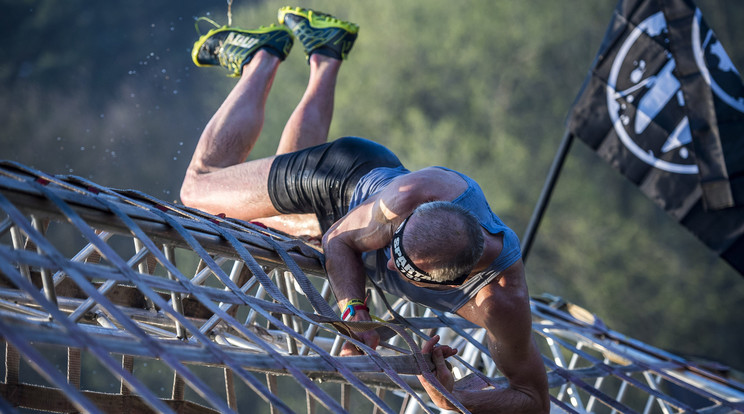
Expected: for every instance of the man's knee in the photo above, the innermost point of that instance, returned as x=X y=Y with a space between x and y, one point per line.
x=189 y=194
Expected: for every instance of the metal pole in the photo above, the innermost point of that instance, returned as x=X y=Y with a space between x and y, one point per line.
x=542 y=202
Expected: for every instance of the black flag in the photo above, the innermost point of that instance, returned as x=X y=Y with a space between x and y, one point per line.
x=664 y=105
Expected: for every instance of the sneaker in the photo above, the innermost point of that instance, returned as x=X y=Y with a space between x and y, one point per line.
x=320 y=32
x=232 y=48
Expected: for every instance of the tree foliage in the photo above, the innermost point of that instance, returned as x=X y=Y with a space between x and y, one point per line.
x=108 y=91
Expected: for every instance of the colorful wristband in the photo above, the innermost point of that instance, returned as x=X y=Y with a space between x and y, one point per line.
x=352 y=306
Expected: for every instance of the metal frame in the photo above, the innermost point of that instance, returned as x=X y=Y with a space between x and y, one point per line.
x=120 y=278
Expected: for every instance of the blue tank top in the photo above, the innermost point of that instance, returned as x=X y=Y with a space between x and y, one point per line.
x=448 y=300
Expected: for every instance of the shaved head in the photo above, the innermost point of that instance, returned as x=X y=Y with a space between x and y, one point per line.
x=444 y=239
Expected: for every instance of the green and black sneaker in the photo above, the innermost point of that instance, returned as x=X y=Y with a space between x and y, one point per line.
x=320 y=32
x=232 y=47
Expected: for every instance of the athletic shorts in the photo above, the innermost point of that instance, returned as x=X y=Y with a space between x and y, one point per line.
x=321 y=179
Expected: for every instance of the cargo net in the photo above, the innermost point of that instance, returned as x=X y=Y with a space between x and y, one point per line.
x=114 y=301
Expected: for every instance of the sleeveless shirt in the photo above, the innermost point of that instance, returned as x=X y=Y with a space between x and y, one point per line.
x=449 y=300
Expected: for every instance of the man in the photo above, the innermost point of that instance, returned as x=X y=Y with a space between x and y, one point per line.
x=427 y=235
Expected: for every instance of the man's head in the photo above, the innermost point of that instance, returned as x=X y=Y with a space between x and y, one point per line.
x=440 y=242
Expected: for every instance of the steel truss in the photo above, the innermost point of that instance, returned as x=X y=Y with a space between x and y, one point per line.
x=106 y=295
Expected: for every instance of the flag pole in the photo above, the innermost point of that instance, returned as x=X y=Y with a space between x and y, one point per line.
x=542 y=202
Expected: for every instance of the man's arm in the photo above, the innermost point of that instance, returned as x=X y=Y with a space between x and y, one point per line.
x=370 y=226
x=503 y=309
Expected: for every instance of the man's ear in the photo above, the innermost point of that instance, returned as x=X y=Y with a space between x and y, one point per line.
x=391 y=265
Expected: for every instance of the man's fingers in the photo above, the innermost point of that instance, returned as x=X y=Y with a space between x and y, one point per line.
x=439 y=360
x=370 y=338
x=430 y=344
x=448 y=352
x=349 y=349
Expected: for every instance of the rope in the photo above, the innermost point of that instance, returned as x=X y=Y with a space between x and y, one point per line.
x=321 y=306
x=237 y=238
x=273 y=291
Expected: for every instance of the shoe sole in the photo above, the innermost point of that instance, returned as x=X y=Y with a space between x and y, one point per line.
x=318 y=20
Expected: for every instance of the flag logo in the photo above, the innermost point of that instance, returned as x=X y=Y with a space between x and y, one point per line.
x=715 y=65
x=644 y=94
x=664 y=105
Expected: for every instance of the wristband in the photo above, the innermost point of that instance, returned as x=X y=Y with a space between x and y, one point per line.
x=352 y=306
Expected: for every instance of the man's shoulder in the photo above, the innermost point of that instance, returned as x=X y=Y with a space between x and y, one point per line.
x=507 y=291
x=437 y=182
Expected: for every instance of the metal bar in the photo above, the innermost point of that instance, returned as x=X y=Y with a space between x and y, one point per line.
x=255 y=269
x=108 y=252
x=105 y=288
x=310 y=404
x=12 y=364
x=47 y=370
x=74 y=330
x=127 y=364
x=143 y=267
x=82 y=255
x=46 y=278
x=281 y=283
x=178 y=387
x=290 y=284
x=18 y=244
x=175 y=296
x=235 y=346
x=227 y=307
x=232 y=399
x=73 y=367
x=271 y=382
x=312 y=330
x=346 y=396
x=569 y=388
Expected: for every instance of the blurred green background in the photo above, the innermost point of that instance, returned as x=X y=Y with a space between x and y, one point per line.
x=107 y=91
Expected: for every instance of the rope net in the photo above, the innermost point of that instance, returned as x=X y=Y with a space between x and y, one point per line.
x=114 y=301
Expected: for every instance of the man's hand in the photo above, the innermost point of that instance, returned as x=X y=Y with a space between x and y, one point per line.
x=438 y=355
x=370 y=338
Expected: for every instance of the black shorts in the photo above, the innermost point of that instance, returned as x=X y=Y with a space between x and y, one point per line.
x=321 y=179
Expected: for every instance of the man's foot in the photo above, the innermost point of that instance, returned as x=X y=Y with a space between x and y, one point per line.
x=319 y=32
x=232 y=48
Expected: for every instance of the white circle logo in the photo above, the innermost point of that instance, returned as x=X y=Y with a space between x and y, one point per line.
x=644 y=97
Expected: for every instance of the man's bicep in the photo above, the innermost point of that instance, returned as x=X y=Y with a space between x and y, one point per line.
x=370 y=225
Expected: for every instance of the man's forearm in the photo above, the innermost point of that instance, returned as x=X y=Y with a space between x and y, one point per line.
x=345 y=272
x=347 y=277
x=347 y=282
x=505 y=400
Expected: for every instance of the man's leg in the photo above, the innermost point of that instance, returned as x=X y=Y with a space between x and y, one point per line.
x=327 y=42
x=311 y=120
x=217 y=180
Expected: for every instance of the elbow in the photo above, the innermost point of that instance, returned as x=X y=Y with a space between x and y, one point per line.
x=542 y=406
x=330 y=237
x=327 y=240
x=539 y=402
x=535 y=405
x=335 y=246
x=535 y=398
